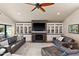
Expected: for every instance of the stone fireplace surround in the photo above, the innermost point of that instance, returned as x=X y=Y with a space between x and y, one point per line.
x=39 y=36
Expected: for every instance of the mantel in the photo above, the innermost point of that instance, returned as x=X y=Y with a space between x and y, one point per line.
x=39 y=31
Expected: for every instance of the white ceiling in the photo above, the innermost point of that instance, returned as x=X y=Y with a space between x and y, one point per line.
x=20 y=12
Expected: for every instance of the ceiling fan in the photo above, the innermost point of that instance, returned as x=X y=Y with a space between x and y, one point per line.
x=40 y=6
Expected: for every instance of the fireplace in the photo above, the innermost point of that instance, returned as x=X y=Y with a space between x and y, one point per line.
x=39 y=30
x=39 y=37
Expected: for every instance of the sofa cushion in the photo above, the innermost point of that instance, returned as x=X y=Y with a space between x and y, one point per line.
x=67 y=39
x=68 y=50
x=76 y=54
x=12 y=40
x=4 y=43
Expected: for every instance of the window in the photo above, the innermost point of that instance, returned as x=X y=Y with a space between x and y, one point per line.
x=2 y=31
x=8 y=31
x=5 y=31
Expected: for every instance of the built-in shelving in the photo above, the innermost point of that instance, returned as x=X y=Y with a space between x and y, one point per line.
x=23 y=28
x=53 y=30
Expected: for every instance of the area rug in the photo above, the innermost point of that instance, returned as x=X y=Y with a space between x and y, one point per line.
x=32 y=49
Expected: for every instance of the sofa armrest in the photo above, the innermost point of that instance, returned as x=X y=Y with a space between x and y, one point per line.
x=8 y=48
x=60 y=43
x=57 y=42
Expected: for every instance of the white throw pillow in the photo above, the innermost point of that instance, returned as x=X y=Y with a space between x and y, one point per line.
x=19 y=37
x=4 y=43
x=2 y=50
x=60 y=38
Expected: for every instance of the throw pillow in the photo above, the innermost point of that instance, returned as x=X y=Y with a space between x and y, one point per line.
x=4 y=43
x=60 y=38
x=2 y=50
x=19 y=37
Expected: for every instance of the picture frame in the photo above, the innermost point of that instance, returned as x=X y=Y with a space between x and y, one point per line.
x=74 y=28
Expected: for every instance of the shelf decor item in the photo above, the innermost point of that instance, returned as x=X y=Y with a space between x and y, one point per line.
x=74 y=28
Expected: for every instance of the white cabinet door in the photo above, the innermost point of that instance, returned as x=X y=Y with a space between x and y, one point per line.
x=50 y=37
x=48 y=29
x=56 y=29
x=60 y=29
x=28 y=37
x=23 y=28
x=17 y=29
x=52 y=29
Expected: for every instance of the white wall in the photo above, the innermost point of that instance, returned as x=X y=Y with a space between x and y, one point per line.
x=72 y=19
x=6 y=20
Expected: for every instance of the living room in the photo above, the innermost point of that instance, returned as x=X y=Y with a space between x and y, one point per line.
x=36 y=29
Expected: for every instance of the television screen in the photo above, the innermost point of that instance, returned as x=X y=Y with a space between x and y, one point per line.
x=38 y=26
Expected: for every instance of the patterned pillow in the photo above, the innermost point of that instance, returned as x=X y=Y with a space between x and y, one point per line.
x=19 y=37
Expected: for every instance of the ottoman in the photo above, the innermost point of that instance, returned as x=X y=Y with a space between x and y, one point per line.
x=52 y=51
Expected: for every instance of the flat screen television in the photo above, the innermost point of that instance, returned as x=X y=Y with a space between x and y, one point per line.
x=38 y=27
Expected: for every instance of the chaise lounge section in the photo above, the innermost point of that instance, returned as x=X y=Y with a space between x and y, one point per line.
x=66 y=47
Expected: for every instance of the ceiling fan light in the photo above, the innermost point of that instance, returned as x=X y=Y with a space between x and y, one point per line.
x=18 y=13
x=58 y=13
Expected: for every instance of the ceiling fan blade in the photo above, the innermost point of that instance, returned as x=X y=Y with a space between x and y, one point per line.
x=42 y=9
x=46 y=4
x=33 y=8
x=31 y=4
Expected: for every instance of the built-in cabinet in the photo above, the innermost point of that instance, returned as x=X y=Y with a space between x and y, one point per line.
x=50 y=37
x=53 y=30
x=23 y=28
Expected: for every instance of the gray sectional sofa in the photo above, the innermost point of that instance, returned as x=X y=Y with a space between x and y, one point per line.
x=13 y=44
x=16 y=45
x=66 y=47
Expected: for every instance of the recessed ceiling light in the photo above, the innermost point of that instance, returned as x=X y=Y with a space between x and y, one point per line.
x=58 y=13
x=18 y=13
